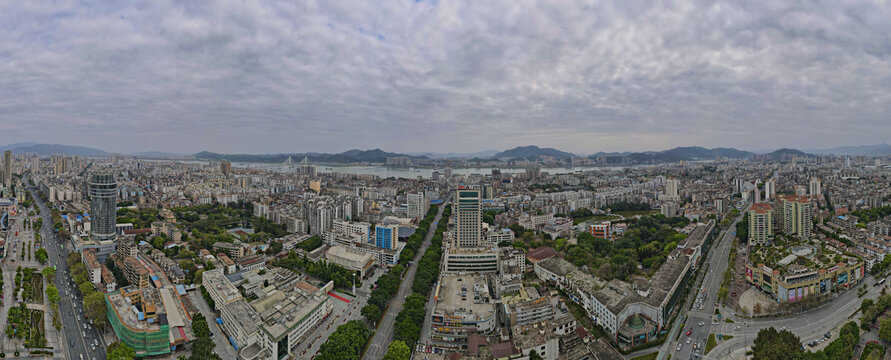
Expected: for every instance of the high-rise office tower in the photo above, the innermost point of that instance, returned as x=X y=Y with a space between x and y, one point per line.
x=468 y=216
x=7 y=168
x=103 y=197
x=798 y=213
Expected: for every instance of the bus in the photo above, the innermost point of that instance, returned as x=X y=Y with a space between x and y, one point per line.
x=881 y=281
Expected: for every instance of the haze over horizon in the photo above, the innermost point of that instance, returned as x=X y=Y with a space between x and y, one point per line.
x=444 y=76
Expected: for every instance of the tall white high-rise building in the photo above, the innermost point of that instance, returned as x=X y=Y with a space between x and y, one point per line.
x=671 y=190
x=468 y=216
x=816 y=187
x=770 y=189
x=417 y=204
x=737 y=185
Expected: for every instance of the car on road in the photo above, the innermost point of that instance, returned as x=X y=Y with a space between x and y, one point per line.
x=678 y=348
x=689 y=332
x=701 y=323
x=689 y=340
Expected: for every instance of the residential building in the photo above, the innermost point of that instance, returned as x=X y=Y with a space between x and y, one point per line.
x=760 y=223
x=798 y=213
x=417 y=204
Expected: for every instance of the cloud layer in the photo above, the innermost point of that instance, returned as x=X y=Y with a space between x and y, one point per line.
x=583 y=76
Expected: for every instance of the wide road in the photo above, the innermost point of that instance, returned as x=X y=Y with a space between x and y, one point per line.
x=70 y=306
x=807 y=326
x=716 y=262
x=384 y=334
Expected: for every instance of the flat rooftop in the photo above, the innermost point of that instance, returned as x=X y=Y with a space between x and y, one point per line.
x=466 y=295
x=219 y=282
x=127 y=313
x=279 y=313
x=244 y=315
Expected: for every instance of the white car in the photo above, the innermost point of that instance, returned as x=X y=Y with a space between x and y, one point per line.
x=689 y=340
x=678 y=348
x=701 y=323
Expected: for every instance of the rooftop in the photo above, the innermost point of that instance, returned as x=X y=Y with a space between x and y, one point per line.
x=219 y=282
x=464 y=295
x=280 y=313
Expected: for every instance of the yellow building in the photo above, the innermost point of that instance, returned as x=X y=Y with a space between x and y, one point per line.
x=791 y=286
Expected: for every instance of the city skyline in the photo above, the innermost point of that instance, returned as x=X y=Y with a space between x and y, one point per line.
x=442 y=76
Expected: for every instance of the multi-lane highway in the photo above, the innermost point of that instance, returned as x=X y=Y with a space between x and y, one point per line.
x=77 y=340
x=716 y=263
x=808 y=326
x=382 y=338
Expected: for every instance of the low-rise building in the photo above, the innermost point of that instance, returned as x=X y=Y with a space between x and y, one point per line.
x=462 y=306
x=219 y=288
x=350 y=259
x=470 y=260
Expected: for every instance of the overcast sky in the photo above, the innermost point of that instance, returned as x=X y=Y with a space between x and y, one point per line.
x=456 y=76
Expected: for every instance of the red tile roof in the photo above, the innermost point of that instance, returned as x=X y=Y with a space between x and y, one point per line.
x=539 y=254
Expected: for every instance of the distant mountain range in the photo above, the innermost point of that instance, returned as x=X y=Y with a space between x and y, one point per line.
x=531 y=152
x=159 y=155
x=350 y=156
x=52 y=149
x=481 y=155
x=880 y=149
x=688 y=153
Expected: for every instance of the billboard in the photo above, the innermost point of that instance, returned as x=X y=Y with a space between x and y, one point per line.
x=842 y=278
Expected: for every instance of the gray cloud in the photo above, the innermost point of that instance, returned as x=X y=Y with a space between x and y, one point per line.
x=461 y=75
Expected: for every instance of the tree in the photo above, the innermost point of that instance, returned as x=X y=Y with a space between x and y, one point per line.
x=202 y=348
x=722 y=293
x=52 y=293
x=94 y=308
x=41 y=255
x=346 y=342
x=158 y=242
x=772 y=344
x=120 y=351
x=72 y=258
x=397 y=351
x=756 y=309
x=199 y=325
x=86 y=288
x=371 y=312
x=885 y=329
x=534 y=355
x=48 y=274
x=407 y=330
